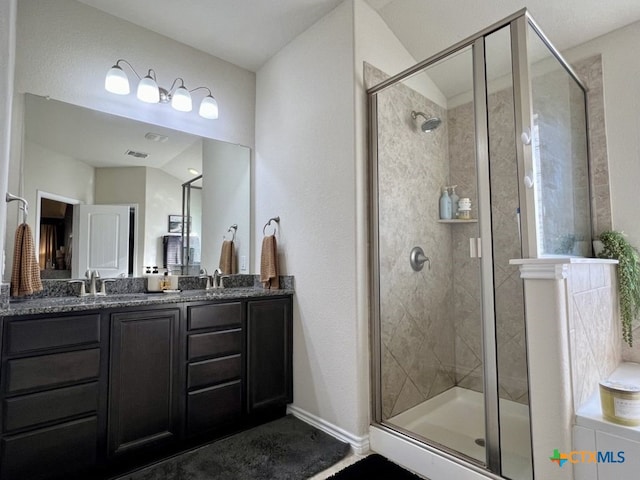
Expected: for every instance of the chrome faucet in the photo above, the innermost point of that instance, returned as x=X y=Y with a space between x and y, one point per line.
x=103 y=286
x=213 y=281
x=217 y=279
x=92 y=276
x=204 y=274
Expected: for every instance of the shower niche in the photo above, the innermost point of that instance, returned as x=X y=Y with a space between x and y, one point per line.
x=502 y=117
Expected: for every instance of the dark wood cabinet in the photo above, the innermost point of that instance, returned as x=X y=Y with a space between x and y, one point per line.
x=269 y=354
x=53 y=367
x=101 y=390
x=215 y=366
x=143 y=384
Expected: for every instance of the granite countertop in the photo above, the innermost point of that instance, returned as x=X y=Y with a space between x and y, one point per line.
x=118 y=300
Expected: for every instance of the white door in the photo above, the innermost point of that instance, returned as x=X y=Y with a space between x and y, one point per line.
x=100 y=240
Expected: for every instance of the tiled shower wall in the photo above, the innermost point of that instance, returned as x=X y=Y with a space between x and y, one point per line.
x=424 y=350
x=415 y=307
x=594 y=327
x=509 y=301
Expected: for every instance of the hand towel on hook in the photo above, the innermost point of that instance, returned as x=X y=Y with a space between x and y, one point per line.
x=25 y=275
x=228 y=263
x=269 y=263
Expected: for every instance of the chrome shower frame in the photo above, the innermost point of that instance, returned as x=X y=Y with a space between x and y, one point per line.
x=518 y=23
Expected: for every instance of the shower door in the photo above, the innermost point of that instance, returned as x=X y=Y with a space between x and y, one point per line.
x=449 y=344
x=431 y=320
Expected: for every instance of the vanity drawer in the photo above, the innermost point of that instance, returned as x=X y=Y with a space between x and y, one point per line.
x=30 y=410
x=215 y=315
x=29 y=335
x=68 y=447
x=213 y=406
x=216 y=344
x=214 y=371
x=50 y=370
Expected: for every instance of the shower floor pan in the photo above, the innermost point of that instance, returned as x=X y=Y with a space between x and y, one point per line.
x=455 y=419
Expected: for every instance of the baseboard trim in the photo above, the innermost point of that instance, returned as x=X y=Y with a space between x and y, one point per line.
x=360 y=445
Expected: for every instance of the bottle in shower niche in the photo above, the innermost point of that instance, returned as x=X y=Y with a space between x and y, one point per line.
x=454 y=201
x=445 y=204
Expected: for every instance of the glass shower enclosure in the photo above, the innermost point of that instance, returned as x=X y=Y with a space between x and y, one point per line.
x=498 y=122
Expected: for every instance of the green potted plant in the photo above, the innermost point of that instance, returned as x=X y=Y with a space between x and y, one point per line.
x=616 y=246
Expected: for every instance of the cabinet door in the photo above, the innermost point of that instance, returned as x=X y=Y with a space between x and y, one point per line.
x=269 y=349
x=143 y=394
x=50 y=452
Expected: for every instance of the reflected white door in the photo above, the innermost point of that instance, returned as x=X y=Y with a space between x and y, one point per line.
x=100 y=240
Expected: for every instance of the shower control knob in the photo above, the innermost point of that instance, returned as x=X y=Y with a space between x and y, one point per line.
x=417 y=259
x=526 y=137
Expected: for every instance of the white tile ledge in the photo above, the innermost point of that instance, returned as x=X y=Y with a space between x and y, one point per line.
x=553 y=268
x=589 y=415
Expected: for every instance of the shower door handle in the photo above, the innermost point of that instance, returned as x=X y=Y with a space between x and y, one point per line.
x=475 y=247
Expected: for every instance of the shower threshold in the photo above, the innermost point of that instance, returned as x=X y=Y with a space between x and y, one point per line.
x=455 y=419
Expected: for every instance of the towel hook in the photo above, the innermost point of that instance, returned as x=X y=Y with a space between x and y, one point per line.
x=272 y=219
x=24 y=207
x=233 y=228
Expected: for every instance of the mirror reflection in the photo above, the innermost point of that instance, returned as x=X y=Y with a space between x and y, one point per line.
x=108 y=189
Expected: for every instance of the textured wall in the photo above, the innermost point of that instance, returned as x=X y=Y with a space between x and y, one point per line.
x=508 y=291
x=590 y=72
x=594 y=327
x=467 y=307
x=305 y=141
x=415 y=307
x=7 y=64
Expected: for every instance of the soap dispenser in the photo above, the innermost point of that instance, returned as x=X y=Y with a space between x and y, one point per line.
x=445 y=204
x=454 y=201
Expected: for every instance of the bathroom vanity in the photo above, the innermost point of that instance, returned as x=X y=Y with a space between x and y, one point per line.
x=93 y=385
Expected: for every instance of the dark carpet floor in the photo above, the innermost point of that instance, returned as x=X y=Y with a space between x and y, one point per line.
x=286 y=449
x=374 y=466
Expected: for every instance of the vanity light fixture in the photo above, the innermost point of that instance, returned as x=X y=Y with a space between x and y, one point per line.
x=149 y=91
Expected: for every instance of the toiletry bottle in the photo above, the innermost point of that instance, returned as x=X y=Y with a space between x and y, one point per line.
x=445 y=205
x=454 y=202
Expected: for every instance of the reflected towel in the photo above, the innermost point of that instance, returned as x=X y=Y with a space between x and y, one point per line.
x=269 y=263
x=228 y=263
x=25 y=276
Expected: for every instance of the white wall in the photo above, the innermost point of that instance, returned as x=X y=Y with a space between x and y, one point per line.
x=305 y=173
x=52 y=172
x=64 y=49
x=621 y=71
x=377 y=45
x=311 y=131
x=163 y=198
x=226 y=191
x=7 y=63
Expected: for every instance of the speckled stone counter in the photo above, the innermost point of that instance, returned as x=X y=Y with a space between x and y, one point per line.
x=4 y=295
x=57 y=297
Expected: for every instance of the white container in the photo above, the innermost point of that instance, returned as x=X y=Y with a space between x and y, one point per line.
x=620 y=402
x=155 y=283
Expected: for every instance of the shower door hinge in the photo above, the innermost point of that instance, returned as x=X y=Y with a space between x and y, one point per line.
x=475 y=247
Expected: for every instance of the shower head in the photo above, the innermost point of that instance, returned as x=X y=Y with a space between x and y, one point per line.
x=430 y=123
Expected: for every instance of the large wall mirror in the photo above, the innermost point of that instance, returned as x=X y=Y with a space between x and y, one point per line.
x=78 y=162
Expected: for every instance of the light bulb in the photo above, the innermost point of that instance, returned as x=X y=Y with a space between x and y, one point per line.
x=116 y=81
x=181 y=100
x=209 y=108
x=148 y=90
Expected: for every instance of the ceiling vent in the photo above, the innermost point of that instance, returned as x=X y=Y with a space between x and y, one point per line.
x=133 y=153
x=156 y=137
